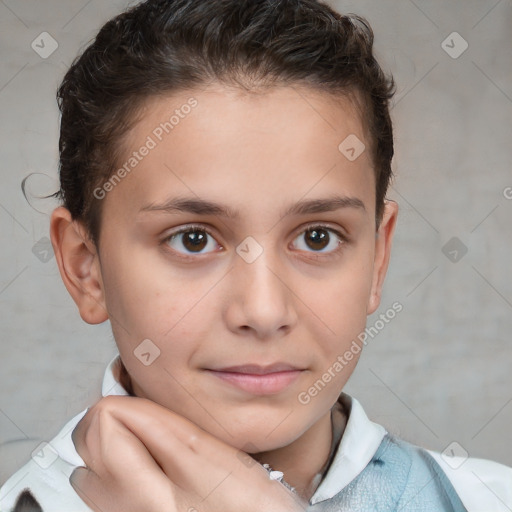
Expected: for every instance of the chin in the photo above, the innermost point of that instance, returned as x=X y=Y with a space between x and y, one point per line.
x=259 y=437
x=254 y=443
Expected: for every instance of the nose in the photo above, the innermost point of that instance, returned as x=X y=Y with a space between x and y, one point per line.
x=261 y=302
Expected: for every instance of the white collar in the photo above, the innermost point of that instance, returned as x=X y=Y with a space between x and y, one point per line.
x=110 y=385
x=62 y=443
x=358 y=445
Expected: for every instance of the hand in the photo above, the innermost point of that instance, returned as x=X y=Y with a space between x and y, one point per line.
x=141 y=456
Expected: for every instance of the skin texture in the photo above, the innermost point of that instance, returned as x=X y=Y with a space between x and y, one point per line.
x=296 y=303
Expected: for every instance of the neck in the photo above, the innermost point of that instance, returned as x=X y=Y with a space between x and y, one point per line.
x=301 y=461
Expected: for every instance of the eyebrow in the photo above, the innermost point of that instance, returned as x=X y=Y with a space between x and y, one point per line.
x=204 y=207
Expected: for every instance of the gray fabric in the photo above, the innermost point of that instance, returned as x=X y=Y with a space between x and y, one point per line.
x=400 y=477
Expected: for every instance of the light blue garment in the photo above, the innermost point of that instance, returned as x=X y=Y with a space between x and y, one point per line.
x=400 y=477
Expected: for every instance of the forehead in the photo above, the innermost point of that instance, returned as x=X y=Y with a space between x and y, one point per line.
x=251 y=150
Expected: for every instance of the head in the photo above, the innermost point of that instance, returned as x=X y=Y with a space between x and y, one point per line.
x=211 y=210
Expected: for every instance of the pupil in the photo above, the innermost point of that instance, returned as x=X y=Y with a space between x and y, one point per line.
x=195 y=240
x=318 y=237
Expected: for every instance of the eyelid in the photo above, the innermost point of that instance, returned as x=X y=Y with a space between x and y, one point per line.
x=344 y=239
x=189 y=227
x=311 y=225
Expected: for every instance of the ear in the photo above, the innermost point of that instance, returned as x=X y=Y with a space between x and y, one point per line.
x=79 y=265
x=384 y=237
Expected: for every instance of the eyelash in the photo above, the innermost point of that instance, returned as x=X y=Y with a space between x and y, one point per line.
x=343 y=239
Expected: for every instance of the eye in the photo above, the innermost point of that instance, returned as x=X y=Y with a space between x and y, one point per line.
x=320 y=239
x=194 y=239
x=191 y=240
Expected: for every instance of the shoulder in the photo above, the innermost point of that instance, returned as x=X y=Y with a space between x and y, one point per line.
x=371 y=463
x=419 y=482
x=423 y=478
x=483 y=485
x=46 y=477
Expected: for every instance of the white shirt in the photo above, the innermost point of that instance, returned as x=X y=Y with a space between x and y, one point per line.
x=482 y=485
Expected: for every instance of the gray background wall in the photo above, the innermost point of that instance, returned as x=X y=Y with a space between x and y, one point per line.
x=441 y=370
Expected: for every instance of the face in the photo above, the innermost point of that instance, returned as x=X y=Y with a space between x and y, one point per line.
x=242 y=248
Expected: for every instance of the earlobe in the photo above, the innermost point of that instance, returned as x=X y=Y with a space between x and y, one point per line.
x=79 y=265
x=383 y=241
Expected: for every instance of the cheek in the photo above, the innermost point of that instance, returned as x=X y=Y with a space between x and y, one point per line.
x=175 y=313
x=151 y=297
x=341 y=304
x=341 y=298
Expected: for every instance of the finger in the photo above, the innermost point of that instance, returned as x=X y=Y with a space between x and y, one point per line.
x=184 y=451
x=78 y=436
x=87 y=485
x=168 y=433
x=146 y=416
x=130 y=489
x=94 y=426
x=107 y=447
x=95 y=436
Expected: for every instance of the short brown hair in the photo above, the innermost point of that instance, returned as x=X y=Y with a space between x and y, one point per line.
x=162 y=46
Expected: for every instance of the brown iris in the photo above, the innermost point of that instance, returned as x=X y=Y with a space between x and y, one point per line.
x=317 y=238
x=194 y=240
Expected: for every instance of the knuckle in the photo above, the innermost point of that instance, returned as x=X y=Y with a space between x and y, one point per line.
x=100 y=418
x=109 y=402
x=105 y=407
x=193 y=442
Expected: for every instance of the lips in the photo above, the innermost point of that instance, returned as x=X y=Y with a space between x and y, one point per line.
x=255 y=369
x=256 y=379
